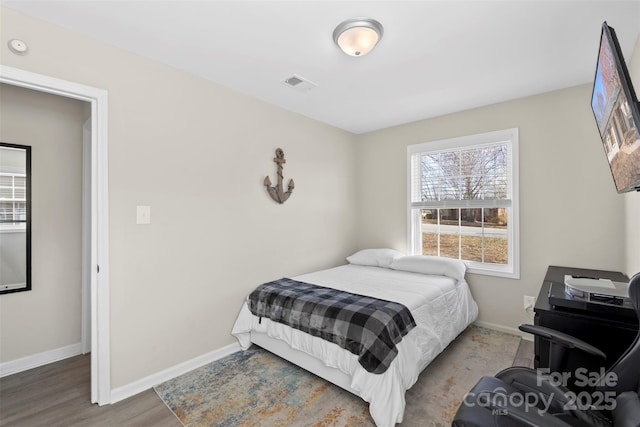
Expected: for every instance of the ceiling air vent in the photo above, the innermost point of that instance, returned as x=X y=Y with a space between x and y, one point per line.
x=299 y=84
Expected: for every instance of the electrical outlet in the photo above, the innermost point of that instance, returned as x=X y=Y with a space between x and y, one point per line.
x=143 y=214
x=529 y=302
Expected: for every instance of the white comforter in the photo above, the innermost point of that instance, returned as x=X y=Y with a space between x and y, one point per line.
x=441 y=306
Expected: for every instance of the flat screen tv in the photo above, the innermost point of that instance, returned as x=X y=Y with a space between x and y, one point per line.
x=617 y=113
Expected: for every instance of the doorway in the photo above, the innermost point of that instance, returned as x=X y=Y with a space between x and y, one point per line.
x=97 y=234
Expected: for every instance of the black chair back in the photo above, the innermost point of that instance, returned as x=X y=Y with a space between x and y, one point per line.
x=626 y=370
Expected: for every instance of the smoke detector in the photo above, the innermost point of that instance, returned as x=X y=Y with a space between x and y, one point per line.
x=17 y=46
x=299 y=84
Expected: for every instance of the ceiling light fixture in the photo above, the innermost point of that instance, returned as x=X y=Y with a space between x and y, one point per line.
x=358 y=36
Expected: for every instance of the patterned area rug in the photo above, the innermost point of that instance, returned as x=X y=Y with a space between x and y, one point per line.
x=256 y=388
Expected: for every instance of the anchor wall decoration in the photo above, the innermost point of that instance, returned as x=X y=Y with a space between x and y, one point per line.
x=277 y=192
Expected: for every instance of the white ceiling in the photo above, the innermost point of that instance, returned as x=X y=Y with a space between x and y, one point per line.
x=436 y=57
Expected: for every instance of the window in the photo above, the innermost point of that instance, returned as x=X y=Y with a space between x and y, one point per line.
x=463 y=201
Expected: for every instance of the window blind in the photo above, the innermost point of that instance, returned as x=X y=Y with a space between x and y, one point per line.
x=462 y=178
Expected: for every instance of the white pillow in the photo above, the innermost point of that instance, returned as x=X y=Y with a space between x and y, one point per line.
x=374 y=257
x=440 y=266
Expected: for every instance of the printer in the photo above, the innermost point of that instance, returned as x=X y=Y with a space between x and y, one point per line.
x=596 y=289
x=593 y=294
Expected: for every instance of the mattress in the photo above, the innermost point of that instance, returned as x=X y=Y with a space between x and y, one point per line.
x=441 y=306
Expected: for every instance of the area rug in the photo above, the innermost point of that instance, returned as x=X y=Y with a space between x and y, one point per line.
x=256 y=388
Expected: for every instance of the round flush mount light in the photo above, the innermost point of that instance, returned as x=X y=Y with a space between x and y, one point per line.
x=358 y=36
x=18 y=47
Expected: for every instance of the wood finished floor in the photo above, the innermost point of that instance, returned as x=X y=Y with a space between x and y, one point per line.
x=58 y=394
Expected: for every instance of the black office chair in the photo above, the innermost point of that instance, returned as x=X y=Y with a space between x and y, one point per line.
x=520 y=396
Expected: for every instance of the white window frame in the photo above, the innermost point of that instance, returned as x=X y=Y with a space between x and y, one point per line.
x=414 y=238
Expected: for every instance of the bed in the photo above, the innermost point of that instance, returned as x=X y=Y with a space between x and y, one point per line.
x=432 y=288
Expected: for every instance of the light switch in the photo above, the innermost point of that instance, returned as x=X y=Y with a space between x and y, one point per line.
x=143 y=215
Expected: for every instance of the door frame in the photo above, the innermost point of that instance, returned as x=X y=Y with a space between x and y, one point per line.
x=98 y=256
x=85 y=333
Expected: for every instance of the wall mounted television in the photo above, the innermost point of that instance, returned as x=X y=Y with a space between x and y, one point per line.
x=617 y=113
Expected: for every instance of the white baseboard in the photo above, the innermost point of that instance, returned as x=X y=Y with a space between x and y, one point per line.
x=35 y=360
x=131 y=389
x=506 y=329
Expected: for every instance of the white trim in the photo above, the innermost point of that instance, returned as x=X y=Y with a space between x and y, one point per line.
x=33 y=361
x=488 y=138
x=131 y=389
x=505 y=329
x=100 y=305
x=86 y=237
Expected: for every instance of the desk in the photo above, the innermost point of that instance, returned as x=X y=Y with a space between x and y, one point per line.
x=611 y=332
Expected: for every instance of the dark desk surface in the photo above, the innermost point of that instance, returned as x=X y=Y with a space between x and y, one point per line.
x=555 y=275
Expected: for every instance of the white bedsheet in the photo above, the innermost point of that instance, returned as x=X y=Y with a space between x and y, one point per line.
x=442 y=308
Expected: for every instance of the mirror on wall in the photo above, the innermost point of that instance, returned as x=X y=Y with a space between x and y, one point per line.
x=15 y=218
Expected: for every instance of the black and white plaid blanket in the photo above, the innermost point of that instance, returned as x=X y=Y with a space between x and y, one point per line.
x=367 y=327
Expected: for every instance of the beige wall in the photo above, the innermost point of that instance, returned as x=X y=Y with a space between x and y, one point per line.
x=49 y=316
x=197 y=153
x=570 y=213
x=632 y=199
